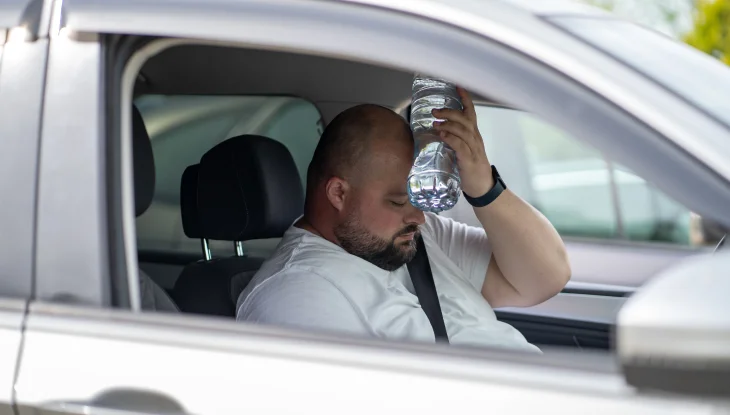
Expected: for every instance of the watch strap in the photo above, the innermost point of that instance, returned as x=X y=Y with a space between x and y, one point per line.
x=491 y=195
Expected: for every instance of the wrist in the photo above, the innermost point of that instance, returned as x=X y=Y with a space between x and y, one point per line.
x=492 y=189
x=478 y=181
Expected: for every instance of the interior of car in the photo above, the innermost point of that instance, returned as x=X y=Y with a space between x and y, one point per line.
x=221 y=148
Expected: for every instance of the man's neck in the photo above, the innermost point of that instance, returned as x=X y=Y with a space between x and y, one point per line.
x=307 y=225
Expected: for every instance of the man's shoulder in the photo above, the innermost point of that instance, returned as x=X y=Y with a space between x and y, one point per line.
x=434 y=221
x=436 y=226
x=439 y=224
x=304 y=259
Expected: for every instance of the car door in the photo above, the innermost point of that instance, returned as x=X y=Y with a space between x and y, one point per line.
x=23 y=49
x=88 y=347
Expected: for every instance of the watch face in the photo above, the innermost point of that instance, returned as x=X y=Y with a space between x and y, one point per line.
x=497 y=177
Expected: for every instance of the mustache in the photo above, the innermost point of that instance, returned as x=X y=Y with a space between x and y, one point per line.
x=408 y=229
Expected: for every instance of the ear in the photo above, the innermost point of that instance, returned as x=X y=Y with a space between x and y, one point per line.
x=337 y=190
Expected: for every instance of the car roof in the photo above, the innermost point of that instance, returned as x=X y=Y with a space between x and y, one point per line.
x=445 y=10
x=454 y=10
x=555 y=7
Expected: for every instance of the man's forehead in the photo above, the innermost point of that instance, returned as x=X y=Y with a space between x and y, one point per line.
x=391 y=143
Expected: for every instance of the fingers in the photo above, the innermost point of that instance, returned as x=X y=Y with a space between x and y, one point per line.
x=468 y=104
x=456 y=128
x=463 y=151
x=452 y=115
x=457 y=124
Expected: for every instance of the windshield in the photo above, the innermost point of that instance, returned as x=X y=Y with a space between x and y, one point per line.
x=694 y=76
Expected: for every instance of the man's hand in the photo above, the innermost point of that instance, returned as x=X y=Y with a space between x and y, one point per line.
x=460 y=132
x=529 y=263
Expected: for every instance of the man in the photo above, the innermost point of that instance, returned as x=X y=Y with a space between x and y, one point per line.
x=341 y=267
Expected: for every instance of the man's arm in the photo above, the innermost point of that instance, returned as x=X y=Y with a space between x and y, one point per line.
x=529 y=263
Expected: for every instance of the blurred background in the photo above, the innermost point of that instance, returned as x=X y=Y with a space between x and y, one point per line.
x=703 y=24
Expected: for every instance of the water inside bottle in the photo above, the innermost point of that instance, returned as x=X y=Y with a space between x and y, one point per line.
x=433 y=183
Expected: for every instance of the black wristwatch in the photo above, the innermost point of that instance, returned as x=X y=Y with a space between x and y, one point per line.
x=491 y=195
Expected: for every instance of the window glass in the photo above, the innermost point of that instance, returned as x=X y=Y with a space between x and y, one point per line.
x=647 y=214
x=183 y=128
x=580 y=191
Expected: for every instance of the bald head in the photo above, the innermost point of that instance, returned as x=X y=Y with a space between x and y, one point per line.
x=356 y=187
x=346 y=146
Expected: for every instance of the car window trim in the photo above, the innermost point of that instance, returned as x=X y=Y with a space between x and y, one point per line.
x=602 y=290
x=628 y=243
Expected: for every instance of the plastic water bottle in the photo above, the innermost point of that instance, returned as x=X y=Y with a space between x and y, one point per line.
x=433 y=183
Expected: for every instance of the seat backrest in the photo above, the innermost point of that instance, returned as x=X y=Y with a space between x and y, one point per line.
x=154 y=298
x=246 y=187
x=188 y=202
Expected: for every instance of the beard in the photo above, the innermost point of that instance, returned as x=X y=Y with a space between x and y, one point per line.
x=383 y=253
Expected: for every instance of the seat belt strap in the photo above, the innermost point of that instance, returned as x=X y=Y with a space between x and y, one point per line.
x=422 y=278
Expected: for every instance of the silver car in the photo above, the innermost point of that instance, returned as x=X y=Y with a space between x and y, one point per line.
x=619 y=135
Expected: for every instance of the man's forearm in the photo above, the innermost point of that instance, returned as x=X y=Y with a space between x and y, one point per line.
x=531 y=262
x=528 y=250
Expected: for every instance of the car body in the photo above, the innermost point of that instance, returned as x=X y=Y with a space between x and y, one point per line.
x=74 y=339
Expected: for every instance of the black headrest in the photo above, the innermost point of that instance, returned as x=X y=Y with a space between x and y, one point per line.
x=144 y=164
x=248 y=188
x=189 y=202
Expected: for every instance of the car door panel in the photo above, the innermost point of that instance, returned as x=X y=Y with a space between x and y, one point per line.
x=549 y=331
x=568 y=319
x=205 y=366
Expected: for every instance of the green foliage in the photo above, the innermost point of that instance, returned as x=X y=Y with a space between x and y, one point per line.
x=711 y=32
x=604 y=4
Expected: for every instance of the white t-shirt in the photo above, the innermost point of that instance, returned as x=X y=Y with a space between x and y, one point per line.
x=311 y=283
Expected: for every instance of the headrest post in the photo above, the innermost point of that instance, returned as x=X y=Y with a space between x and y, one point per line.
x=239 y=248
x=206 y=249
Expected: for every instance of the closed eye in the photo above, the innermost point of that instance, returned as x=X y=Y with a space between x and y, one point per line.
x=399 y=204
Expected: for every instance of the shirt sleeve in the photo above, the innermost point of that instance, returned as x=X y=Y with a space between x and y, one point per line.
x=468 y=246
x=303 y=300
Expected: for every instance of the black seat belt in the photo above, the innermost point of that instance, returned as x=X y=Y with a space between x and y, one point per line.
x=420 y=271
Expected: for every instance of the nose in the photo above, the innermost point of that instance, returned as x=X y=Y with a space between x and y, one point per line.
x=415 y=216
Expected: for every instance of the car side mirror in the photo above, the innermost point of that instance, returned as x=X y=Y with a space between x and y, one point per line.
x=673 y=334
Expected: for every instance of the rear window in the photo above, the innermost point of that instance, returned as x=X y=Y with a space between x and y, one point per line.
x=183 y=128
